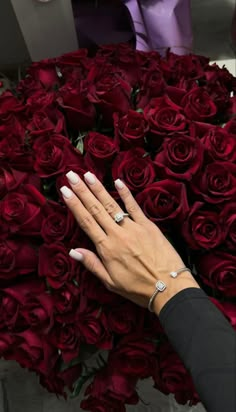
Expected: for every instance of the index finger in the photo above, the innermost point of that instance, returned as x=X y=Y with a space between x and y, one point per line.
x=85 y=220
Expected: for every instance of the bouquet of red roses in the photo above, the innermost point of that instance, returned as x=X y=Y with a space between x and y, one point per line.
x=166 y=127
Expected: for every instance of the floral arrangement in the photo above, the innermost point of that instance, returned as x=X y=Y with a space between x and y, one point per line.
x=166 y=127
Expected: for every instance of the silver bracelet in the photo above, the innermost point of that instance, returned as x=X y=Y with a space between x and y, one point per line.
x=161 y=286
x=175 y=274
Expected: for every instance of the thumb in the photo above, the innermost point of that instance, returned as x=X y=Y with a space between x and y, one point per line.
x=91 y=261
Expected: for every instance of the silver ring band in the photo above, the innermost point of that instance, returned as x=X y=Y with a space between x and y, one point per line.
x=120 y=216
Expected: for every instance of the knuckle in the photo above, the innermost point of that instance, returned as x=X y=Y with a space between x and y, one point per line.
x=132 y=207
x=92 y=266
x=94 y=209
x=110 y=207
x=85 y=221
x=126 y=193
x=83 y=189
x=73 y=203
x=103 y=249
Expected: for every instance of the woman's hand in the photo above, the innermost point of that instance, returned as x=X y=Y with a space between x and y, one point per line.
x=133 y=254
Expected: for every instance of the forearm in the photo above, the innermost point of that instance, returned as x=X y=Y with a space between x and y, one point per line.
x=206 y=343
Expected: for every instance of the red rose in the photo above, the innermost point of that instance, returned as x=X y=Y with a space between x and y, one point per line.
x=165 y=118
x=219 y=144
x=164 y=202
x=44 y=72
x=124 y=318
x=10 y=315
x=46 y=121
x=202 y=228
x=6 y=343
x=56 y=266
x=33 y=352
x=22 y=211
x=172 y=377
x=189 y=66
x=94 y=289
x=53 y=154
x=73 y=58
x=16 y=259
x=152 y=85
x=10 y=179
x=127 y=60
x=220 y=96
x=11 y=301
x=109 y=92
x=10 y=104
x=14 y=153
x=100 y=148
x=93 y=328
x=110 y=384
x=29 y=86
x=40 y=100
x=132 y=357
x=134 y=168
x=198 y=105
x=218 y=270
x=65 y=299
x=59 y=224
x=102 y=405
x=10 y=125
x=79 y=111
x=130 y=130
x=180 y=157
x=228 y=217
x=38 y=311
x=66 y=339
x=217 y=183
x=217 y=75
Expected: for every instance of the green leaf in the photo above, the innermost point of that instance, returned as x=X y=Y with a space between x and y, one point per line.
x=139 y=110
x=80 y=146
x=79 y=385
x=69 y=365
x=81 y=381
x=146 y=154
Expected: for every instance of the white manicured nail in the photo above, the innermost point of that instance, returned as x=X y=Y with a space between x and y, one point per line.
x=72 y=177
x=76 y=255
x=119 y=184
x=90 y=178
x=66 y=192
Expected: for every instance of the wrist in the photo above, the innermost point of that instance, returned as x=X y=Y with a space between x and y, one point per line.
x=173 y=286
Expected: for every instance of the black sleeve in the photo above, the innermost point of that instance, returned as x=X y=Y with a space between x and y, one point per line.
x=206 y=343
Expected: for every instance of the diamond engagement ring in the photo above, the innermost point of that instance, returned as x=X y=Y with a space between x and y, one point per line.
x=120 y=216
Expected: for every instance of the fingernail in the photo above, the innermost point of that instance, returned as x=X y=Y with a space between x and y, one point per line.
x=66 y=192
x=72 y=177
x=119 y=184
x=76 y=255
x=90 y=178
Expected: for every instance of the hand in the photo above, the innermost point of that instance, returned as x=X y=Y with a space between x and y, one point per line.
x=133 y=254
